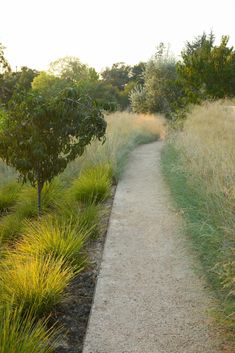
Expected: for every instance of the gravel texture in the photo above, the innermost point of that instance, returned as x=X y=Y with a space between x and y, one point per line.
x=148 y=297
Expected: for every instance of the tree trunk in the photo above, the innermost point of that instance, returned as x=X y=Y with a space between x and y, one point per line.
x=39 y=189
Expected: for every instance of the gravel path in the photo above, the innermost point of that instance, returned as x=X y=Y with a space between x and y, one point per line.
x=148 y=298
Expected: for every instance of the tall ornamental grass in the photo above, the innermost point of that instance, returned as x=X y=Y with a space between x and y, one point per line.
x=207 y=146
x=199 y=164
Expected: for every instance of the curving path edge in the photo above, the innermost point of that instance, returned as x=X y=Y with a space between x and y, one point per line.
x=148 y=298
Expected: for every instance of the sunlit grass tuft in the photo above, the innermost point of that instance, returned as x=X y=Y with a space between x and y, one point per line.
x=34 y=283
x=54 y=237
x=93 y=185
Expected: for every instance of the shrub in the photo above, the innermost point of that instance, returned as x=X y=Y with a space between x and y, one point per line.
x=56 y=238
x=93 y=185
x=20 y=334
x=34 y=283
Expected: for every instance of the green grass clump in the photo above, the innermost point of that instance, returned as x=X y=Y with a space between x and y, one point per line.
x=8 y=196
x=20 y=333
x=54 y=237
x=11 y=227
x=86 y=218
x=25 y=207
x=34 y=283
x=93 y=185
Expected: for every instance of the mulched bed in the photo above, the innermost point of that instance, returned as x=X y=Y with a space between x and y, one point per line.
x=73 y=313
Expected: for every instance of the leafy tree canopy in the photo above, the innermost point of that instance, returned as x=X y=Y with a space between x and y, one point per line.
x=48 y=84
x=12 y=82
x=118 y=75
x=137 y=73
x=207 y=70
x=123 y=78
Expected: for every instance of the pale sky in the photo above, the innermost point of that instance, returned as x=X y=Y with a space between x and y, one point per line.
x=102 y=32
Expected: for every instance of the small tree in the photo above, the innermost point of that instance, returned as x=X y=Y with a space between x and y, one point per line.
x=40 y=135
x=71 y=69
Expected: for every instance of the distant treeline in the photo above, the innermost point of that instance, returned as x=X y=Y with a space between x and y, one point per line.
x=110 y=89
x=205 y=71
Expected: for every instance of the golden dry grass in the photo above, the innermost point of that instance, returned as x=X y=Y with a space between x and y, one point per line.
x=199 y=164
x=208 y=144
